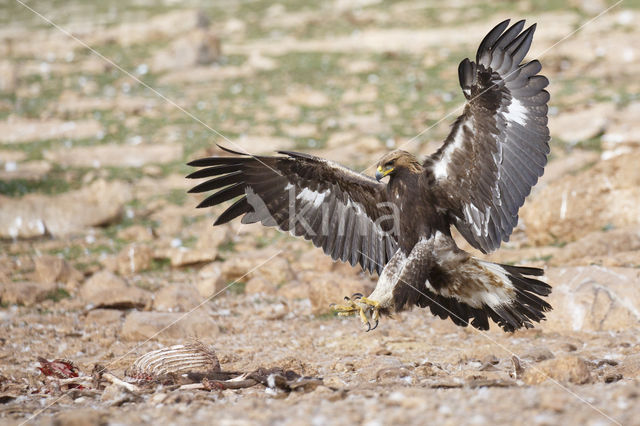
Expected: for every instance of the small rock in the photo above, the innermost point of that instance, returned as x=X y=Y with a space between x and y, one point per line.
x=81 y=417
x=570 y=369
x=304 y=130
x=137 y=233
x=294 y=290
x=328 y=288
x=209 y=237
x=593 y=298
x=200 y=47
x=606 y=195
x=168 y=326
x=29 y=170
x=18 y=130
x=259 y=263
x=177 y=298
x=133 y=259
x=537 y=354
x=490 y=359
x=104 y=316
x=260 y=285
x=10 y=156
x=380 y=368
x=599 y=243
x=116 y=155
x=392 y=373
x=115 y=395
x=273 y=311
x=629 y=367
x=183 y=256
x=106 y=290
x=613 y=377
x=52 y=269
x=210 y=280
x=36 y=215
x=581 y=125
x=305 y=96
x=427 y=370
x=344 y=365
x=25 y=293
x=568 y=347
x=160 y=27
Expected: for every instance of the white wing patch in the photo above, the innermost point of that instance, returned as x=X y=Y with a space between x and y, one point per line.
x=478 y=220
x=314 y=197
x=441 y=168
x=516 y=112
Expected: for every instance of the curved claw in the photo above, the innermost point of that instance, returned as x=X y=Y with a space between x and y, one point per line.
x=374 y=327
x=357 y=304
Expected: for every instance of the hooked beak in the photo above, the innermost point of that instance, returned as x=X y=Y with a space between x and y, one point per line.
x=382 y=173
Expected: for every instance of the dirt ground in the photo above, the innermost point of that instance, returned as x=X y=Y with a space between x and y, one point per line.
x=103 y=256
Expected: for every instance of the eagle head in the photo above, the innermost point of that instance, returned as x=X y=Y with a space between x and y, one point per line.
x=395 y=162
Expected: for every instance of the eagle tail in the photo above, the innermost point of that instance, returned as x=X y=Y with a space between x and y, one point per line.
x=516 y=302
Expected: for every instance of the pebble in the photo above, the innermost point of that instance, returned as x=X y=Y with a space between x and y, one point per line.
x=571 y=369
x=106 y=290
x=168 y=326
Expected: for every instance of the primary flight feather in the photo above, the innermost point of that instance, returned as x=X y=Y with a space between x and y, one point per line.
x=477 y=181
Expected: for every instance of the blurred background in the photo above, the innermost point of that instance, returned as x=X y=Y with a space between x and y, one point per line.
x=103 y=103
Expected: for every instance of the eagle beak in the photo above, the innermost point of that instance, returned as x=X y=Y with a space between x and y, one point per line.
x=382 y=173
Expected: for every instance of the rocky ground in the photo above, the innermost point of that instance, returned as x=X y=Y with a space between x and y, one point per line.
x=103 y=256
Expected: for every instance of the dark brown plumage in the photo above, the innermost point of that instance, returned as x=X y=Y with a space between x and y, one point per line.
x=476 y=181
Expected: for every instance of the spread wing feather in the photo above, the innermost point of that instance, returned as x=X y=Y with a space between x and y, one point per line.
x=339 y=210
x=498 y=147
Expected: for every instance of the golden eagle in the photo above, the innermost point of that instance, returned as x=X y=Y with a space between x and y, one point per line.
x=476 y=181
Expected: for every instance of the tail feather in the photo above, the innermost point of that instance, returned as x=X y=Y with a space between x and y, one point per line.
x=527 y=306
x=455 y=285
x=506 y=294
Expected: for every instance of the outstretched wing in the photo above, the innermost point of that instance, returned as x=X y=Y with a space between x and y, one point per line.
x=344 y=212
x=498 y=147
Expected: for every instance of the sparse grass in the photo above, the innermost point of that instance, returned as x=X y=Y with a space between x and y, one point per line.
x=20 y=187
x=70 y=252
x=227 y=247
x=237 y=287
x=160 y=264
x=177 y=197
x=190 y=241
x=57 y=295
x=83 y=266
x=540 y=258
x=269 y=239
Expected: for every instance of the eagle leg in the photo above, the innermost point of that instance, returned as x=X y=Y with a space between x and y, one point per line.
x=373 y=309
x=367 y=309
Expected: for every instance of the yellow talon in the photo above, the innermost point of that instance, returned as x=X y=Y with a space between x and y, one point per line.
x=370 y=302
x=368 y=310
x=345 y=310
x=363 y=317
